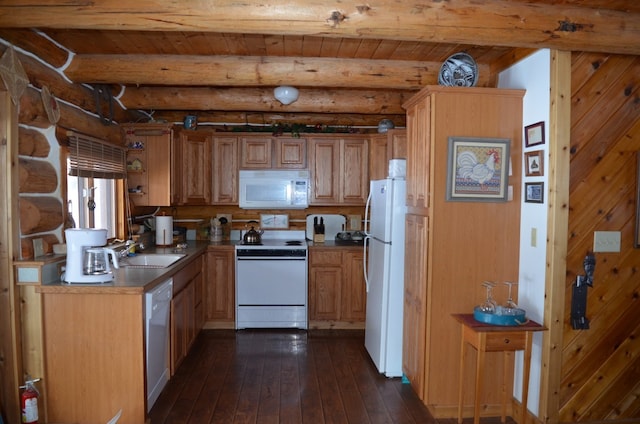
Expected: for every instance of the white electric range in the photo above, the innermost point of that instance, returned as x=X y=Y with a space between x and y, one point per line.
x=272 y=281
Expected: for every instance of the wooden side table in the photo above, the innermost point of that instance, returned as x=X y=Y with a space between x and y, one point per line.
x=494 y=338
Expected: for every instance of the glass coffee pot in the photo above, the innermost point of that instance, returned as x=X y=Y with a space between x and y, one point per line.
x=96 y=261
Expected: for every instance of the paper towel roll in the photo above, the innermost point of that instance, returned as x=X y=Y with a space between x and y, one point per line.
x=164 y=230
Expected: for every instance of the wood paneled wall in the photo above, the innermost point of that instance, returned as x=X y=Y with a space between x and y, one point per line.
x=601 y=365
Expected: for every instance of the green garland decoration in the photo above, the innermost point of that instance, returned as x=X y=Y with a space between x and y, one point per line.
x=295 y=129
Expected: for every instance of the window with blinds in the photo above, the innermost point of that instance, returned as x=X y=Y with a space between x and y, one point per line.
x=94 y=158
x=97 y=171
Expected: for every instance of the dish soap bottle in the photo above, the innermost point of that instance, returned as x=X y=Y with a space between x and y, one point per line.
x=69 y=221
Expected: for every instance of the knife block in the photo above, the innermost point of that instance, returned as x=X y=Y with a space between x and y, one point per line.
x=318 y=238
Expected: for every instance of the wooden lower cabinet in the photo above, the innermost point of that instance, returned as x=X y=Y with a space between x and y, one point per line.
x=94 y=347
x=337 y=296
x=413 y=353
x=219 y=290
x=184 y=322
x=94 y=357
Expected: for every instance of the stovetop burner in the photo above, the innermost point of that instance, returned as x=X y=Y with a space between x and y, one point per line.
x=274 y=239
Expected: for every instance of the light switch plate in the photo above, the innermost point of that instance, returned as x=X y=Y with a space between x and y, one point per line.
x=534 y=237
x=606 y=241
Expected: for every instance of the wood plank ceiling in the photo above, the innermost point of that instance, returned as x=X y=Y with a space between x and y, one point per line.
x=353 y=60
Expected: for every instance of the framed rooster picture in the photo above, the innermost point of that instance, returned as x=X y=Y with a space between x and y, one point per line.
x=478 y=169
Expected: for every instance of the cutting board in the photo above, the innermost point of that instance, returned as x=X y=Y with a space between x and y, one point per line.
x=333 y=224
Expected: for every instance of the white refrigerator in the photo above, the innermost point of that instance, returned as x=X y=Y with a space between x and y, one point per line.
x=384 y=273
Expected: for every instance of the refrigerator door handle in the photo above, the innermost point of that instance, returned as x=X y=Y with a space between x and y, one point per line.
x=367 y=218
x=364 y=263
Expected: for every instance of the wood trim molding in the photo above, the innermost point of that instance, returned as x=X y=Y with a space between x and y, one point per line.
x=557 y=234
x=10 y=334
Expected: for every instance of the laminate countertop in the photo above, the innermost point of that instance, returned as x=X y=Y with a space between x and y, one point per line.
x=133 y=280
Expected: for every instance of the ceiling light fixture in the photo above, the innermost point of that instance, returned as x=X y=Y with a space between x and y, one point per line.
x=286 y=94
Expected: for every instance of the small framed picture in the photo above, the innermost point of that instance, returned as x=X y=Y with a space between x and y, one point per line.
x=534 y=192
x=534 y=134
x=534 y=163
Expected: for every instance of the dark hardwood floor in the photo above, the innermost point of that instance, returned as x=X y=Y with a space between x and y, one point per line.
x=286 y=376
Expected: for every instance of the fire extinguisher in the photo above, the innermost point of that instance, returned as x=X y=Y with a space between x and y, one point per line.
x=29 y=402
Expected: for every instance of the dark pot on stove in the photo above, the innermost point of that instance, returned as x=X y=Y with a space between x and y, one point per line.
x=253 y=236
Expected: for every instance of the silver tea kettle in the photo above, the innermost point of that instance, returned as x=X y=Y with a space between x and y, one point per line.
x=252 y=236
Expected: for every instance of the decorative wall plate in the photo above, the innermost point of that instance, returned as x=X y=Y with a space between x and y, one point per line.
x=13 y=75
x=459 y=70
x=50 y=105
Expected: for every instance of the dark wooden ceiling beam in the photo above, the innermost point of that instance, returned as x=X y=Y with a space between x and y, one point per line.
x=561 y=25
x=261 y=100
x=251 y=71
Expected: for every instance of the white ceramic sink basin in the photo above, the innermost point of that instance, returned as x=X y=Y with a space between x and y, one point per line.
x=152 y=260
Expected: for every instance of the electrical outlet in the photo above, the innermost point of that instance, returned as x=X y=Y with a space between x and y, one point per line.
x=606 y=241
x=225 y=215
x=355 y=222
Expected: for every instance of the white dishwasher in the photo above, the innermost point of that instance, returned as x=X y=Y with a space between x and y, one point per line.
x=158 y=306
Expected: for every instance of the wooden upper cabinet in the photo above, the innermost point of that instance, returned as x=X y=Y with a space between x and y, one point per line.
x=225 y=170
x=290 y=153
x=339 y=170
x=418 y=152
x=324 y=158
x=378 y=157
x=196 y=149
x=149 y=163
x=256 y=152
x=382 y=148
x=397 y=139
x=259 y=152
x=354 y=171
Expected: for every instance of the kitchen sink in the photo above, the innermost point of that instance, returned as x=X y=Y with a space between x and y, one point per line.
x=152 y=260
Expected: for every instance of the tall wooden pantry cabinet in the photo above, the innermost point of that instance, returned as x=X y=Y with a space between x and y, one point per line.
x=453 y=246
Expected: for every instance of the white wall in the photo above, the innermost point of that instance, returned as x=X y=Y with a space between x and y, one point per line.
x=533 y=75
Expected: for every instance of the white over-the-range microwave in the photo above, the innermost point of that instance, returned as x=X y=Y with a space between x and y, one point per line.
x=274 y=189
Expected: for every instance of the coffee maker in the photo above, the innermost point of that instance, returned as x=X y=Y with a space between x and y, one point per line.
x=87 y=258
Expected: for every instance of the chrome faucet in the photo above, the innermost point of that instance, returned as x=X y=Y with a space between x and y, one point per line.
x=124 y=247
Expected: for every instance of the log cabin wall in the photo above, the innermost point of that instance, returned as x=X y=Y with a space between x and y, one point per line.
x=41 y=195
x=42 y=188
x=601 y=365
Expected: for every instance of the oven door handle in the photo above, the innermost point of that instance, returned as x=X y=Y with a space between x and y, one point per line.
x=270 y=258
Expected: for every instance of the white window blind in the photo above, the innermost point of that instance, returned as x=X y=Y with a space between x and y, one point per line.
x=91 y=157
